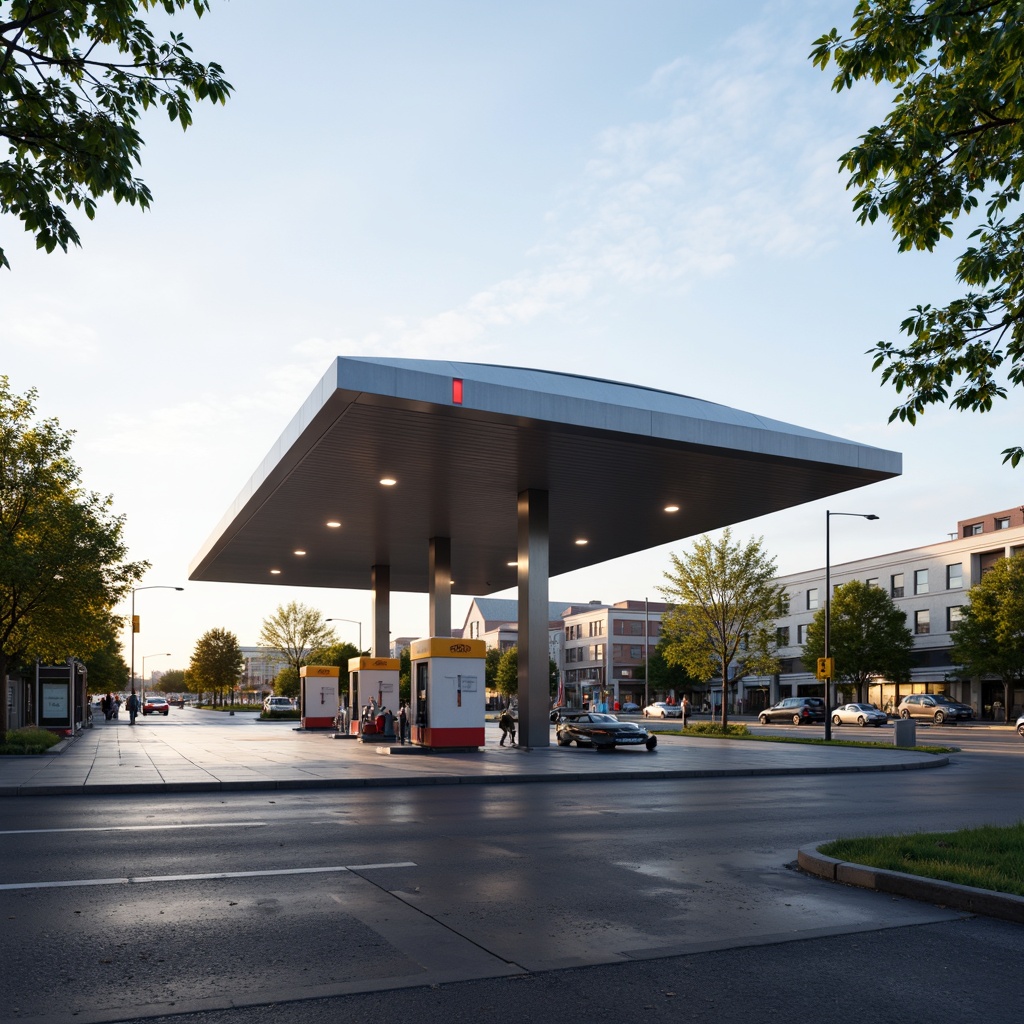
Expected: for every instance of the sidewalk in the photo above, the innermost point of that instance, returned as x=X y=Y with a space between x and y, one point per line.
x=199 y=751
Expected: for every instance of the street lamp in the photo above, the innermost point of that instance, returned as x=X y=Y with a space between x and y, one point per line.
x=155 y=586
x=355 y=622
x=144 y=657
x=828 y=611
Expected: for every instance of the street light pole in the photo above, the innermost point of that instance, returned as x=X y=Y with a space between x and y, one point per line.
x=828 y=611
x=144 y=657
x=155 y=586
x=354 y=622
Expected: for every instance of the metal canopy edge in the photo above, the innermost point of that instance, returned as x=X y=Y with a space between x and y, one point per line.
x=611 y=456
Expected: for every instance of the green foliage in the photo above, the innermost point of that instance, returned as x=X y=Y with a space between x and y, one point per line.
x=723 y=602
x=953 y=140
x=171 y=681
x=491 y=661
x=296 y=630
x=62 y=553
x=869 y=636
x=217 y=662
x=29 y=740
x=286 y=683
x=405 y=676
x=74 y=80
x=106 y=667
x=716 y=729
x=662 y=677
x=506 y=677
x=989 y=640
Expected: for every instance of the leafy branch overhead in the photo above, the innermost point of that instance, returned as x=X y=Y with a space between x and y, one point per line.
x=952 y=145
x=74 y=80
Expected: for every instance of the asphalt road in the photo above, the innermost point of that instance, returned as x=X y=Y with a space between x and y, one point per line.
x=673 y=900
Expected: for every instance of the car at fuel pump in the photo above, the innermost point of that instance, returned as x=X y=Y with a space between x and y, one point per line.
x=602 y=732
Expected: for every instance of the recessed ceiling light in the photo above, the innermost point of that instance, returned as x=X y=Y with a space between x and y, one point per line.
x=333 y=524
x=275 y=572
x=581 y=542
x=299 y=552
x=388 y=481
x=511 y=565
x=671 y=508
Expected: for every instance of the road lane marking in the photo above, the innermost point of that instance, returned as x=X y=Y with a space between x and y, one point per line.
x=131 y=828
x=142 y=879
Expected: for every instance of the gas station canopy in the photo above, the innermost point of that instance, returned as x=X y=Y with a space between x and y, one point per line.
x=387 y=454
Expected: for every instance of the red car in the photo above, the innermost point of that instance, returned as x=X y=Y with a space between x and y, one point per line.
x=156 y=706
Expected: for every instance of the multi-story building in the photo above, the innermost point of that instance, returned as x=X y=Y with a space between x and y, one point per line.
x=930 y=585
x=260 y=668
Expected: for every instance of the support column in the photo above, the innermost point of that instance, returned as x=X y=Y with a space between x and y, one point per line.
x=440 y=586
x=380 y=581
x=534 y=699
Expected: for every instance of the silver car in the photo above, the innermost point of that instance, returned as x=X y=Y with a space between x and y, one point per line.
x=1020 y=727
x=859 y=714
x=659 y=709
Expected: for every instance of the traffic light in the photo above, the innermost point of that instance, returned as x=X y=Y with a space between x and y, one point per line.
x=825 y=668
x=135 y=623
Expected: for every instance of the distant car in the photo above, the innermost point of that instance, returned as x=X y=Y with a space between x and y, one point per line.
x=602 y=732
x=156 y=706
x=859 y=714
x=935 y=706
x=798 y=710
x=278 y=704
x=629 y=708
x=659 y=709
x=1020 y=727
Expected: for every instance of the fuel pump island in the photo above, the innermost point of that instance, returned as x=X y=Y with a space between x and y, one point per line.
x=448 y=693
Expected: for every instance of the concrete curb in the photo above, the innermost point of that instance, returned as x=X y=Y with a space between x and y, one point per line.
x=929 y=890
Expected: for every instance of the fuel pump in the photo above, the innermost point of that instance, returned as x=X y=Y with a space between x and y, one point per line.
x=372 y=686
x=448 y=693
x=319 y=695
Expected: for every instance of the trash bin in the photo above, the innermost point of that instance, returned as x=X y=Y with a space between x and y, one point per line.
x=904 y=732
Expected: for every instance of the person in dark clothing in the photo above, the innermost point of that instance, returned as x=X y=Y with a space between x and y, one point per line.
x=507 y=724
x=403 y=724
x=133 y=703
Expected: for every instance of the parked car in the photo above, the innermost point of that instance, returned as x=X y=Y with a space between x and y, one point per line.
x=659 y=709
x=278 y=704
x=859 y=714
x=602 y=732
x=798 y=710
x=1020 y=727
x=935 y=706
x=156 y=706
x=629 y=708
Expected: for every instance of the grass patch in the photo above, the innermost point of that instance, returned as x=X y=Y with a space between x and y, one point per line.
x=985 y=858
x=741 y=732
x=29 y=740
x=240 y=708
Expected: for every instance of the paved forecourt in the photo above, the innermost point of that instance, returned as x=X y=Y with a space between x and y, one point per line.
x=200 y=751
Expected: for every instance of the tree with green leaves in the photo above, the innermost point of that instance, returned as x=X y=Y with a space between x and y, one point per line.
x=171 y=681
x=953 y=140
x=74 y=80
x=723 y=604
x=63 y=560
x=217 y=663
x=296 y=630
x=506 y=676
x=106 y=668
x=989 y=639
x=663 y=677
x=868 y=637
x=286 y=683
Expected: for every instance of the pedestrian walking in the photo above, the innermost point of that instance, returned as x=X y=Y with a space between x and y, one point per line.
x=403 y=724
x=107 y=704
x=507 y=724
x=389 y=723
x=133 y=707
x=686 y=710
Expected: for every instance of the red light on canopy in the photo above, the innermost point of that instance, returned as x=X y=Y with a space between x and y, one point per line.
x=457 y=390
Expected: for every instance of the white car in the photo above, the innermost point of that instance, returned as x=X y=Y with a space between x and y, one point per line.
x=278 y=704
x=659 y=709
x=1020 y=727
x=858 y=714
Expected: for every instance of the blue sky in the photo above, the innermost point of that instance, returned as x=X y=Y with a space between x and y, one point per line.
x=644 y=190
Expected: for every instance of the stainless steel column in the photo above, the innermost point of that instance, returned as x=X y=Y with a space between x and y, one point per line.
x=534 y=699
x=380 y=580
x=440 y=586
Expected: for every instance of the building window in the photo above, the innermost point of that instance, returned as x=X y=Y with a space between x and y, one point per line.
x=954 y=616
x=973 y=530
x=920 y=581
x=1003 y=523
x=922 y=621
x=955 y=576
x=896 y=585
x=812 y=598
x=636 y=653
x=801 y=633
x=782 y=636
x=596 y=627
x=872 y=581
x=783 y=604
x=597 y=652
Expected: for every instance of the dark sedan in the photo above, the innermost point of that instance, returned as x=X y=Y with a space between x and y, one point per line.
x=602 y=732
